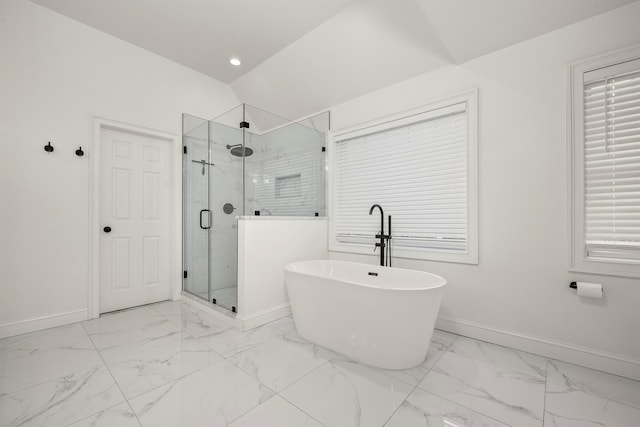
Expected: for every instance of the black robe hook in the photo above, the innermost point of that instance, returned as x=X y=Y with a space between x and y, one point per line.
x=48 y=148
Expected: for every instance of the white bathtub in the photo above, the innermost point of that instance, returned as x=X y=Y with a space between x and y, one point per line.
x=384 y=320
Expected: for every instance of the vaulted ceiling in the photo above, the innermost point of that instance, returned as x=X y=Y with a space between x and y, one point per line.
x=302 y=56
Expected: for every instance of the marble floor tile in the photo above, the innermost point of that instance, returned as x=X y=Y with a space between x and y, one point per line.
x=61 y=401
x=232 y=341
x=31 y=359
x=180 y=366
x=26 y=344
x=197 y=323
x=118 y=416
x=578 y=396
x=284 y=324
x=129 y=331
x=506 y=395
x=344 y=393
x=579 y=409
x=275 y=412
x=277 y=362
x=565 y=377
x=503 y=357
x=422 y=409
x=440 y=342
x=170 y=309
x=121 y=320
x=140 y=372
x=213 y=396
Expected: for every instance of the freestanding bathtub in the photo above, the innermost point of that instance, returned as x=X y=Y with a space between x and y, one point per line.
x=381 y=316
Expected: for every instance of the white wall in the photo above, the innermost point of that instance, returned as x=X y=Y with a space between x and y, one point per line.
x=55 y=74
x=521 y=282
x=265 y=246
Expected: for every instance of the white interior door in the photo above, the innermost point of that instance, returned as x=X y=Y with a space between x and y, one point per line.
x=135 y=209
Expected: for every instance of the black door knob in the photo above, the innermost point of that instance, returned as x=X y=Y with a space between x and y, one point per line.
x=107 y=229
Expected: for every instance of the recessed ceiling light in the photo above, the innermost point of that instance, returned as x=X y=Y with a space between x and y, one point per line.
x=235 y=61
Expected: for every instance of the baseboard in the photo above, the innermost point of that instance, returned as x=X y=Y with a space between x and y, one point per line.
x=45 y=322
x=266 y=316
x=243 y=323
x=583 y=356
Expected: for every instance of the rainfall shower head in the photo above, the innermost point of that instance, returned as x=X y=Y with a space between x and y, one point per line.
x=239 y=151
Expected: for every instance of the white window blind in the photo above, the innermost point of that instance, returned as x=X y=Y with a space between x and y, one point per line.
x=417 y=169
x=612 y=162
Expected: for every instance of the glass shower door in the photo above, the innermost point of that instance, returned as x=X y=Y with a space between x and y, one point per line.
x=226 y=202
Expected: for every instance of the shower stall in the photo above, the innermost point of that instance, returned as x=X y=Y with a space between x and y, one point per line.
x=245 y=164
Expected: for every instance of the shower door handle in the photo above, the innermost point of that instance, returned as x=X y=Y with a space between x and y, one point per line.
x=209 y=219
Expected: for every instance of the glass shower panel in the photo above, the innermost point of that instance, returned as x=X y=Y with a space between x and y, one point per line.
x=196 y=206
x=286 y=177
x=225 y=195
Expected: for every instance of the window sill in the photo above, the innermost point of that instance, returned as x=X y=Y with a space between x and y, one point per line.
x=606 y=268
x=426 y=255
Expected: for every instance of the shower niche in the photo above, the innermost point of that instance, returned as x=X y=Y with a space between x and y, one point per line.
x=244 y=164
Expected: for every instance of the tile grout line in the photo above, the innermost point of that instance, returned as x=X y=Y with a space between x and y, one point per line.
x=19 y=390
x=172 y=381
x=110 y=373
x=463 y=406
x=491 y=362
x=594 y=394
x=101 y=411
x=127 y=400
x=419 y=381
x=134 y=412
x=446 y=399
x=296 y=381
x=546 y=381
x=441 y=397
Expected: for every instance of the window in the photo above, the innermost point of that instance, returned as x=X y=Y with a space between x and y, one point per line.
x=420 y=166
x=605 y=165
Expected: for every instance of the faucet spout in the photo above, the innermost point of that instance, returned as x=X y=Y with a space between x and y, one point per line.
x=381 y=236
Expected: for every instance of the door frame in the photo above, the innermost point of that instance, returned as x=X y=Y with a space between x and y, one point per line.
x=175 y=236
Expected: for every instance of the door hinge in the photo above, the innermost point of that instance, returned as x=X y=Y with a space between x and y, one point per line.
x=184 y=149
x=184 y=275
x=324 y=149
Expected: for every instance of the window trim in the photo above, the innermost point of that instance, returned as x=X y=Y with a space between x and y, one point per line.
x=579 y=261
x=405 y=117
